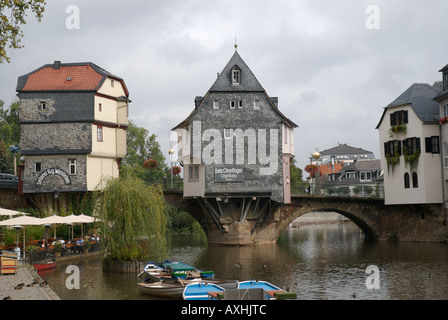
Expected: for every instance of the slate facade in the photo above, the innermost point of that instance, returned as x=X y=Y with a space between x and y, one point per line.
x=233 y=142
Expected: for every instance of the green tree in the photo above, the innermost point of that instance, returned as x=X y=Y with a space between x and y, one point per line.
x=142 y=146
x=133 y=219
x=12 y=17
x=296 y=173
x=10 y=135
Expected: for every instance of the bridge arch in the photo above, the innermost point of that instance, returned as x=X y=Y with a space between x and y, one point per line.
x=361 y=211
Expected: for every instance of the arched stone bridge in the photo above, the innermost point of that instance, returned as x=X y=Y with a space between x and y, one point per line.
x=376 y=220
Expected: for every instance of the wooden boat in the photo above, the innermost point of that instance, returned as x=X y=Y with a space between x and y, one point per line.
x=174 y=290
x=200 y=291
x=172 y=271
x=44 y=265
x=162 y=290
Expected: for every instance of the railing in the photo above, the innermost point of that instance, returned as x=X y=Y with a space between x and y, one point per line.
x=358 y=190
x=49 y=253
x=324 y=189
x=177 y=183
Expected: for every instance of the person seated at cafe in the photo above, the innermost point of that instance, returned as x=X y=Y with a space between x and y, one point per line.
x=79 y=245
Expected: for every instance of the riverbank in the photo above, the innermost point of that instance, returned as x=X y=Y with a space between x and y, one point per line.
x=26 y=284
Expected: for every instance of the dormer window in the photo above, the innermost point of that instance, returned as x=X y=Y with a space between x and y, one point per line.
x=236 y=76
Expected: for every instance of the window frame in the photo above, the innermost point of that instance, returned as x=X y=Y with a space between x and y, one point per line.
x=215 y=104
x=414 y=180
x=193 y=173
x=72 y=164
x=257 y=105
x=99 y=134
x=36 y=165
x=236 y=76
x=407 y=181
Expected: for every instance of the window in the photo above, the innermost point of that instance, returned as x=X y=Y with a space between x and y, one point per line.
x=445 y=110
x=37 y=167
x=227 y=133
x=240 y=104
x=72 y=166
x=215 y=104
x=100 y=107
x=407 y=183
x=398 y=117
x=112 y=83
x=414 y=180
x=193 y=173
x=365 y=176
x=392 y=148
x=235 y=76
x=99 y=133
x=285 y=135
x=257 y=105
x=432 y=144
x=412 y=145
x=43 y=106
x=232 y=104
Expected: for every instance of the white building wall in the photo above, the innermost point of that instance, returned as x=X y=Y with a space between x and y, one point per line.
x=427 y=167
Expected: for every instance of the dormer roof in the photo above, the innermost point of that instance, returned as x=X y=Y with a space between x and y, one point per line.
x=248 y=81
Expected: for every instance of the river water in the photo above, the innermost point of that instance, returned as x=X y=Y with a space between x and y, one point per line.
x=318 y=262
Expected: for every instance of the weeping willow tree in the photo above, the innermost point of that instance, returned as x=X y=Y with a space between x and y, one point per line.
x=133 y=220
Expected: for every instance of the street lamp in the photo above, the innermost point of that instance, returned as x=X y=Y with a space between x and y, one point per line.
x=170 y=152
x=14 y=150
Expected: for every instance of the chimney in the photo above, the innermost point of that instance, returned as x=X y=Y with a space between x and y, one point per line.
x=57 y=65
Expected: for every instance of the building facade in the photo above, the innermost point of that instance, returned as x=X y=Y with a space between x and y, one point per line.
x=236 y=143
x=442 y=99
x=410 y=147
x=73 y=119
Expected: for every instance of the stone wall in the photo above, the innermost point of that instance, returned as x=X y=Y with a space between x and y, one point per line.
x=47 y=180
x=56 y=138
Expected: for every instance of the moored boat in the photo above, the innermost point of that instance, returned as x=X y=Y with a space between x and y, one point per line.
x=172 y=271
x=45 y=265
x=200 y=291
x=272 y=292
x=162 y=290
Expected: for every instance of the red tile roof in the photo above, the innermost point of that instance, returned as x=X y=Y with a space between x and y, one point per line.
x=77 y=77
x=327 y=168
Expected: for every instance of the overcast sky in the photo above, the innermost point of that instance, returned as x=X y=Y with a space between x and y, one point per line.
x=333 y=75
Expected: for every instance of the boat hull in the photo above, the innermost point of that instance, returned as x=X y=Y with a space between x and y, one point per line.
x=44 y=266
x=162 y=290
x=200 y=291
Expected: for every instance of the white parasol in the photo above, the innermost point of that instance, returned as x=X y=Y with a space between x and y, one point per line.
x=9 y=212
x=55 y=221
x=21 y=222
x=80 y=219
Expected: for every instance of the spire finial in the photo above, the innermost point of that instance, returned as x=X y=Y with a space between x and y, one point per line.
x=235 y=45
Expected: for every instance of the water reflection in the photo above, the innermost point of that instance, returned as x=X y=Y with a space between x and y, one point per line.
x=317 y=262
